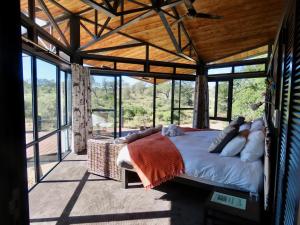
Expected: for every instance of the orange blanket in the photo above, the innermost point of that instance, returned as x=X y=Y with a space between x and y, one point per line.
x=156 y=159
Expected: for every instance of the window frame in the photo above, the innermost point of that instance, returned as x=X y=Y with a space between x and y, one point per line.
x=59 y=128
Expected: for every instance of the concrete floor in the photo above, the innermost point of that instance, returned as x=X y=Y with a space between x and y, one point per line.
x=70 y=195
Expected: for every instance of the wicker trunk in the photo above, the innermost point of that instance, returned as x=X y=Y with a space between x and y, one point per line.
x=102 y=157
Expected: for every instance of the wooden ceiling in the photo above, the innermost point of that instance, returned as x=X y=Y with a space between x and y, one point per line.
x=246 y=25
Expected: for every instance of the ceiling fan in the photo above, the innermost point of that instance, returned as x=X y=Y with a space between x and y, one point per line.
x=192 y=13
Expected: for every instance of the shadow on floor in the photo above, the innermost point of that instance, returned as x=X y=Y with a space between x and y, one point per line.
x=186 y=206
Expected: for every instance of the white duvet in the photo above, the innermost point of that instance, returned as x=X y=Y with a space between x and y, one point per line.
x=199 y=163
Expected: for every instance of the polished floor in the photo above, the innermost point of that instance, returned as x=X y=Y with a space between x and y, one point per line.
x=70 y=195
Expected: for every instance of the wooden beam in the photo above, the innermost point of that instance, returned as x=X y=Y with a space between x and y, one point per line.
x=99 y=7
x=87 y=30
x=169 y=30
x=104 y=26
x=52 y=20
x=115 y=48
x=135 y=61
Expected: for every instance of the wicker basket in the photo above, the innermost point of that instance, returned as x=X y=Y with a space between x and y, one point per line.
x=102 y=157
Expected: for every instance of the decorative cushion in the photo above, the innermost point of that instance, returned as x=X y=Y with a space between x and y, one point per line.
x=222 y=139
x=172 y=130
x=257 y=124
x=132 y=137
x=145 y=133
x=245 y=126
x=255 y=147
x=234 y=146
x=237 y=121
x=157 y=128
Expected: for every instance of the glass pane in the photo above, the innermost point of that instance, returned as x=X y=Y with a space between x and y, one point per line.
x=63 y=110
x=65 y=142
x=177 y=94
x=176 y=117
x=48 y=154
x=187 y=94
x=24 y=31
x=163 y=102
x=212 y=96
x=102 y=100
x=249 y=68
x=27 y=73
x=30 y=167
x=223 y=70
x=47 y=45
x=245 y=93
x=186 y=118
x=222 y=99
x=69 y=98
x=103 y=124
x=46 y=93
x=217 y=124
x=137 y=104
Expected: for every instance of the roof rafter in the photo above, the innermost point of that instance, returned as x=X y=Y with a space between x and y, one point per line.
x=53 y=22
x=139 y=40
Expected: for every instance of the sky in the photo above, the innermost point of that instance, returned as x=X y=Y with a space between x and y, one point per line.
x=45 y=70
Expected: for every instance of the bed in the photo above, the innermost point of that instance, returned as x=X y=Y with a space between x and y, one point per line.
x=210 y=168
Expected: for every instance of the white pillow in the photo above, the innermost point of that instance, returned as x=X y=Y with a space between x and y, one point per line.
x=257 y=124
x=255 y=147
x=245 y=126
x=234 y=147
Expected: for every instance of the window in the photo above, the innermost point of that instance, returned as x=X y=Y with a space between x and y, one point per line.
x=218 y=124
x=41 y=122
x=222 y=103
x=137 y=104
x=212 y=97
x=250 y=68
x=163 y=102
x=27 y=85
x=46 y=97
x=63 y=98
x=223 y=70
x=103 y=106
x=122 y=104
x=48 y=154
x=245 y=93
x=30 y=167
x=183 y=110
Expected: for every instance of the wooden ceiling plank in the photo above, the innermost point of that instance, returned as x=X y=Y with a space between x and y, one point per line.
x=61 y=7
x=136 y=19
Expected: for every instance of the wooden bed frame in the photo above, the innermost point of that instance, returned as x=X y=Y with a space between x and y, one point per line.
x=193 y=182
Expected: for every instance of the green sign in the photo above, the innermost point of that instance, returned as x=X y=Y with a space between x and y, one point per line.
x=235 y=202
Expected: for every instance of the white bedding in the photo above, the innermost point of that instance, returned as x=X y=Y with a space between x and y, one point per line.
x=199 y=163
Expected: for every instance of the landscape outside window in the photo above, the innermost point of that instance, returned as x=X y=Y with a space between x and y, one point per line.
x=245 y=92
x=137 y=104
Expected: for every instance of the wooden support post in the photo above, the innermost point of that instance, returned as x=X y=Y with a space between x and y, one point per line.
x=75 y=39
x=13 y=188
